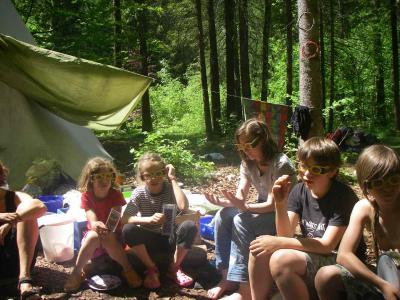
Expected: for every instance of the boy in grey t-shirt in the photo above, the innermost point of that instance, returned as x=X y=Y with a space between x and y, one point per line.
x=322 y=206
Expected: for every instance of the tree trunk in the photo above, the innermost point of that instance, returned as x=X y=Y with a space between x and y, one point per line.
x=142 y=28
x=332 y=65
x=344 y=24
x=321 y=41
x=238 y=102
x=244 y=49
x=215 y=99
x=230 y=61
x=203 y=71
x=310 y=64
x=117 y=33
x=395 y=61
x=265 y=65
x=379 y=75
x=289 y=52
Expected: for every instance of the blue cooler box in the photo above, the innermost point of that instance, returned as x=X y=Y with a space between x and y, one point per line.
x=80 y=229
x=52 y=202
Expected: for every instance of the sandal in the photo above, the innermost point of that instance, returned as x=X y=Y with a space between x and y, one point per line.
x=179 y=277
x=132 y=278
x=152 y=281
x=32 y=293
x=74 y=282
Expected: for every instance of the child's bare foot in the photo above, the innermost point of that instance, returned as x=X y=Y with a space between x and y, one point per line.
x=222 y=287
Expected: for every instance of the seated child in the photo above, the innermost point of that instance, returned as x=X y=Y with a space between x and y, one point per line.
x=322 y=206
x=18 y=236
x=99 y=196
x=144 y=220
x=378 y=174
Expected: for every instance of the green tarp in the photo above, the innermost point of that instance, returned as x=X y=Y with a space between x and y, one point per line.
x=83 y=92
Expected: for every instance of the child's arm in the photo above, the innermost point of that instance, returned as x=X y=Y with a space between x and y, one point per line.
x=346 y=256
x=95 y=224
x=285 y=221
x=180 y=197
x=267 y=244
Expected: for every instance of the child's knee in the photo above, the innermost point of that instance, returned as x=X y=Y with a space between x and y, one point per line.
x=284 y=262
x=328 y=278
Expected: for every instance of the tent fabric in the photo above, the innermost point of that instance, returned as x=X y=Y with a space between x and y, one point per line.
x=80 y=91
x=28 y=129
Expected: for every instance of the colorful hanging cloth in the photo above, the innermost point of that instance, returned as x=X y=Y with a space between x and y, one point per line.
x=275 y=115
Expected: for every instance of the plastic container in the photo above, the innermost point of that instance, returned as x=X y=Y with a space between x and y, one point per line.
x=52 y=202
x=207 y=227
x=80 y=228
x=57 y=237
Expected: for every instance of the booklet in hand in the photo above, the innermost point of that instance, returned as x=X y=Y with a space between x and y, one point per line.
x=113 y=219
x=169 y=211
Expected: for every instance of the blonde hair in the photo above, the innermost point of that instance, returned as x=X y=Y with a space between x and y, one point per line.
x=148 y=156
x=322 y=151
x=375 y=162
x=252 y=129
x=93 y=166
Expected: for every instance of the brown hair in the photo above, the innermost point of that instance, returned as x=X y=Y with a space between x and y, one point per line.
x=254 y=128
x=3 y=174
x=321 y=150
x=374 y=162
x=149 y=156
x=93 y=166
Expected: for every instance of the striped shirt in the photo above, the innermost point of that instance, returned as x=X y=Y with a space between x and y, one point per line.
x=147 y=204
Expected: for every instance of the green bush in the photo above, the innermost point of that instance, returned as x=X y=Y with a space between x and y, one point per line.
x=189 y=169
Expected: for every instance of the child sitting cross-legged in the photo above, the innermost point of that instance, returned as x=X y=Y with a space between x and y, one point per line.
x=99 y=196
x=378 y=174
x=144 y=220
x=322 y=206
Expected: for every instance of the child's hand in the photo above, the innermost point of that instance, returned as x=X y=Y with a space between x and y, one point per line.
x=11 y=218
x=281 y=188
x=157 y=218
x=100 y=228
x=170 y=170
x=264 y=245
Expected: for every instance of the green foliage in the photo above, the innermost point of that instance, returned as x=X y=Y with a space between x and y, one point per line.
x=178 y=108
x=188 y=168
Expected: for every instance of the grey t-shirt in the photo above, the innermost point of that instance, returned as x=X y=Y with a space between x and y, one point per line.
x=316 y=214
x=278 y=166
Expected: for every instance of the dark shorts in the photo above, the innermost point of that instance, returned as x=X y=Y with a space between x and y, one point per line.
x=357 y=289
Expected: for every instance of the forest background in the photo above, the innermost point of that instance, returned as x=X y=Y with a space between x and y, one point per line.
x=206 y=56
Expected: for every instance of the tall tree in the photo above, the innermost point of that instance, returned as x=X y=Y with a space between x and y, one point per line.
x=322 y=47
x=147 y=124
x=395 y=61
x=244 y=49
x=214 y=70
x=265 y=48
x=230 y=56
x=289 y=52
x=203 y=71
x=309 y=63
x=379 y=72
x=332 y=64
x=238 y=102
x=117 y=33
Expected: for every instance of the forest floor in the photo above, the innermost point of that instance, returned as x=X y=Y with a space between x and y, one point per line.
x=52 y=276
